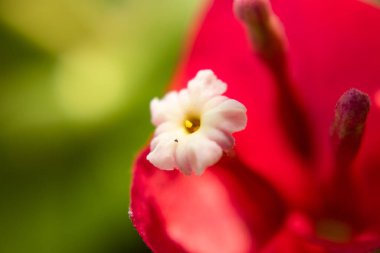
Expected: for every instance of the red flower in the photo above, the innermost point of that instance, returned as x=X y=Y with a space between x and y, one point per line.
x=289 y=188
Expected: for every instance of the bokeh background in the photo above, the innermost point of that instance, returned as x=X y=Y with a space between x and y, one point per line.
x=76 y=78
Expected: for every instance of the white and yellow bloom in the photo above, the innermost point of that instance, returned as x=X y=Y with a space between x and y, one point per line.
x=194 y=125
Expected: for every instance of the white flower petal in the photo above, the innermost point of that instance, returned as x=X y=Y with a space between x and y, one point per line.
x=206 y=85
x=167 y=137
x=214 y=102
x=229 y=116
x=196 y=154
x=166 y=109
x=184 y=99
x=223 y=139
x=183 y=157
x=162 y=153
x=166 y=127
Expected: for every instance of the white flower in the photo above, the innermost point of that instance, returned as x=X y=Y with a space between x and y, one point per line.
x=194 y=125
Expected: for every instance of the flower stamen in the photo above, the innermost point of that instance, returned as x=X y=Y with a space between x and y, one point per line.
x=267 y=36
x=192 y=124
x=348 y=126
x=264 y=29
x=347 y=131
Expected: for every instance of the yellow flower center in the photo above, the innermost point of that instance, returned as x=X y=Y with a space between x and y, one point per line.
x=192 y=124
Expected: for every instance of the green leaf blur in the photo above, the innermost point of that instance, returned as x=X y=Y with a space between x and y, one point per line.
x=76 y=78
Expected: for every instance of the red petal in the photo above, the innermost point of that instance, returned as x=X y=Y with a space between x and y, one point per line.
x=227 y=209
x=221 y=45
x=353 y=247
x=297 y=236
x=286 y=240
x=335 y=45
x=368 y=184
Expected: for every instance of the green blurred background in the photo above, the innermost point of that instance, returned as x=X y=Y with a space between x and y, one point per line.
x=76 y=78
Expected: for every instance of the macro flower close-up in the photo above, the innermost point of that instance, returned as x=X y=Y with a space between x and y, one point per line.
x=267 y=140
x=194 y=126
